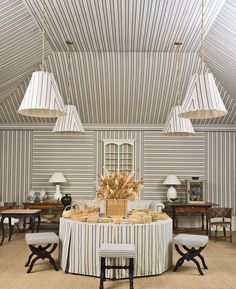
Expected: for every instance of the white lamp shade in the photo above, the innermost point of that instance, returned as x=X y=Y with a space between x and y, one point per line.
x=202 y=99
x=69 y=124
x=177 y=126
x=42 y=97
x=57 y=178
x=171 y=180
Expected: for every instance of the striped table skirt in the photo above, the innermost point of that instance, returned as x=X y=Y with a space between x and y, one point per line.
x=80 y=242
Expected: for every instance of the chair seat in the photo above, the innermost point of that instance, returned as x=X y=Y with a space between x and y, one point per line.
x=117 y=251
x=191 y=240
x=220 y=223
x=41 y=238
x=13 y=221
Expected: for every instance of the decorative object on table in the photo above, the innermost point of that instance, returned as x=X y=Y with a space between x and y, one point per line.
x=70 y=124
x=30 y=196
x=10 y=204
x=117 y=207
x=66 y=200
x=196 y=191
x=183 y=200
x=117 y=219
x=116 y=189
x=42 y=97
x=176 y=125
x=57 y=178
x=158 y=216
x=67 y=213
x=37 y=197
x=140 y=217
x=202 y=98
x=92 y=219
x=104 y=220
x=171 y=192
x=43 y=195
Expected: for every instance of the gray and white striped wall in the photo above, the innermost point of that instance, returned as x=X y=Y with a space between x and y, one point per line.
x=28 y=157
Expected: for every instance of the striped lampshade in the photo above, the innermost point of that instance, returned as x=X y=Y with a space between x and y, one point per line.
x=177 y=126
x=202 y=99
x=42 y=97
x=69 y=124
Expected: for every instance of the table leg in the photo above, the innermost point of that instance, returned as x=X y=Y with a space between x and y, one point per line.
x=24 y=223
x=176 y=225
x=32 y=221
x=10 y=229
x=174 y=219
x=207 y=221
x=2 y=227
x=39 y=220
x=203 y=215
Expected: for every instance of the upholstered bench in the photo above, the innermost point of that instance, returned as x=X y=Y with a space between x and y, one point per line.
x=117 y=251
x=193 y=245
x=39 y=243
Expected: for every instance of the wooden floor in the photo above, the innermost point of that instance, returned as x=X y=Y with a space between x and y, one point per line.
x=220 y=257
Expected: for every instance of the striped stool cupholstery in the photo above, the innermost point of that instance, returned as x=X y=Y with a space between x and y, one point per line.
x=117 y=251
x=39 y=243
x=193 y=245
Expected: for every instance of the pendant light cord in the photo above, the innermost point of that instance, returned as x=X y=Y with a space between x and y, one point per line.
x=178 y=45
x=202 y=37
x=43 y=39
x=69 y=99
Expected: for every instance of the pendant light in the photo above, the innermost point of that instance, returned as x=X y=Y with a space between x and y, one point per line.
x=202 y=99
x=176 y=125
x=71 y=123
x=42 y=97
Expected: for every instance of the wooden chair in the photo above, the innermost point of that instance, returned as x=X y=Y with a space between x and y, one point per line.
x=14 y=222
x=220 y=219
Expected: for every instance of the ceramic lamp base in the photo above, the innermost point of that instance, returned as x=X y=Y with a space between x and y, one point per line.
x=58 y=195
x=171 y=193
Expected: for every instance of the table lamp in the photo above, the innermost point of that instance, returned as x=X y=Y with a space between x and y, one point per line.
x=171 y=192
x=57 y=178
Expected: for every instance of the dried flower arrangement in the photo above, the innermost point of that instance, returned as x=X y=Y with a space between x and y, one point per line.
x=121 y=185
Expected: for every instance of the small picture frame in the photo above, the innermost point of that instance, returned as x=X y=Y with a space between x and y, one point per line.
x=196 y=191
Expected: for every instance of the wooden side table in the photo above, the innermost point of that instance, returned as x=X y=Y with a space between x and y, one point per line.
x=19 y=213
x=47 y=208
x=175 y=210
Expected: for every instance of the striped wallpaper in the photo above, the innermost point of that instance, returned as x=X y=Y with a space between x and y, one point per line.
x=122 y=25
x=221 y=168
x=124 y=54
x=20 y=50
x=73 y=156
x=16 y=148
x=28 y=158
x=163 y=155
x=221 y=47
x=120 y=87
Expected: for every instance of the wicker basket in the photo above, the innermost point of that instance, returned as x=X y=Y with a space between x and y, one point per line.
x=116 y=207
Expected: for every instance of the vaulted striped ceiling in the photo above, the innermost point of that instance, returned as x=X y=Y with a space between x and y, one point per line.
x=124 y=60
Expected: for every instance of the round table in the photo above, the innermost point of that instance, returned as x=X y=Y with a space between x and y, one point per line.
x=80 y=242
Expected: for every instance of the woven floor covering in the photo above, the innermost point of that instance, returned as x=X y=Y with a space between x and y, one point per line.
x=220 y=257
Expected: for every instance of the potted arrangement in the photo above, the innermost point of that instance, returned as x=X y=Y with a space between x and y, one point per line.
x=116 y=189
